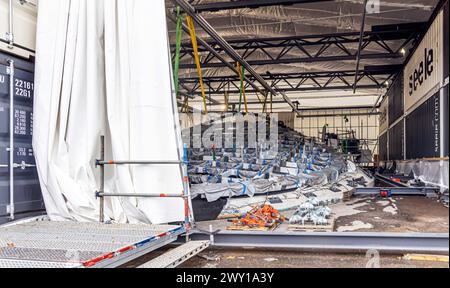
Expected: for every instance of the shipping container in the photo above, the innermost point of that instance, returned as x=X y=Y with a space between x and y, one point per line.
x=396 y=142
x=383 y=147
x=423 y=135
x=27 y=193
x=423 y=75
x=395 y=99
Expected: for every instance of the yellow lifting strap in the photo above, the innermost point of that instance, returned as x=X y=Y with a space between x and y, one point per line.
x=191 y=26
x=241 y=71
x=226 y=96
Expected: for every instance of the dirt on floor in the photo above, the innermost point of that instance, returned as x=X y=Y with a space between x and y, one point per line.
x=399 y=214
x=287 y=259
x=375 y=214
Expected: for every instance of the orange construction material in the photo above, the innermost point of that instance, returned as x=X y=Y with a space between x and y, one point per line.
x=264 y=216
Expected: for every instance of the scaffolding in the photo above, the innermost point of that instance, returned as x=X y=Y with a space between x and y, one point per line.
x=183 y=164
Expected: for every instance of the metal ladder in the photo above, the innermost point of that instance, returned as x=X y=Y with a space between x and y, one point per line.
x=177 y=256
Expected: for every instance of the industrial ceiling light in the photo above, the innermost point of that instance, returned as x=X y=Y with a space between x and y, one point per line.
x=403 y=51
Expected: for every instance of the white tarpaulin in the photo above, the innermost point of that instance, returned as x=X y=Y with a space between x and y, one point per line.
x=103 y=68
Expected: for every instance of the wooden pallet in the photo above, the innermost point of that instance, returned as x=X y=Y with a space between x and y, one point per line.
x=247 y=228
x=314 y=228
x=348 y=195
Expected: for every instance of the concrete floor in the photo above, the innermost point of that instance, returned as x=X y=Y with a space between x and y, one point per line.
x=399 y=214
x=286 y=259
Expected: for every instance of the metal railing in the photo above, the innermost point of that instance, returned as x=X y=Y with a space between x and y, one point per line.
x=186 y=196
x=22 y=165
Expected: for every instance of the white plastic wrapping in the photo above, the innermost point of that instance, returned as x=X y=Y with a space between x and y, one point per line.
x=103 y=68
x=430 y=172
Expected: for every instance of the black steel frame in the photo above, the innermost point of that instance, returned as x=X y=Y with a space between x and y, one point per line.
x=372 y=77
x=217 y=6
x=313 y=48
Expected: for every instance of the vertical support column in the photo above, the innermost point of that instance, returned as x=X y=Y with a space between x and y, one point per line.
x=188 y=212
x=102 y=179
x=10 y=33
x=11 y=139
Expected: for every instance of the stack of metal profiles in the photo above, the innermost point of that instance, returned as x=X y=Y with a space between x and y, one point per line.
x=46 y=244
x=297 y=162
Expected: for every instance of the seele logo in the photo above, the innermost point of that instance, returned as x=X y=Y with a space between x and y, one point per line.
x=423 y=72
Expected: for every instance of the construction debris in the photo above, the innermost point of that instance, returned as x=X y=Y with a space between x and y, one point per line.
x=264 y=218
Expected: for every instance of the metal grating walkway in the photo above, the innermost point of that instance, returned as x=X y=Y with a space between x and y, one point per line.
x=177 y=256
x=46 y=244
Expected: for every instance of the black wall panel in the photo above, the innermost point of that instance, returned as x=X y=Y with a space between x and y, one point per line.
x=446 y=41
x=446 y=121
x=383 y=149
x=423 y=130
x=396 y=141
x=396 y=100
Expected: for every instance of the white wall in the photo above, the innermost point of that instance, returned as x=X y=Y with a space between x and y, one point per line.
x=24 y=20
x=366 y=127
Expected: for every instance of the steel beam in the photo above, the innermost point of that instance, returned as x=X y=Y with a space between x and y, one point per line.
x=218 y=6
x=436 y=243
x=302 y=89
x=295 y=82
x=397 y=191
x=302 y=116
x=358 y=57
x=279 y=61
x=389 y=181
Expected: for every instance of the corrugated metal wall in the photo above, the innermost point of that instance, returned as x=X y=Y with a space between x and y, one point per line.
x=445 y=123
x=384 y=115
x=445 y=101
x=396 y=100
x=418 y=123
x=423 y=73
x=27 y=192
x=383 y=149
x=396 y=141
x=446 y=41
x=423 y=130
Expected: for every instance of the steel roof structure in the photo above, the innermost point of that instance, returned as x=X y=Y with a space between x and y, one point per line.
x=302 y=47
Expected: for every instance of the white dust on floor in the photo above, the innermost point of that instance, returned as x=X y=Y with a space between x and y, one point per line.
x=356 y=225
x=391 y=209
x=384 y=203
x=390 y=206
x=347 y=209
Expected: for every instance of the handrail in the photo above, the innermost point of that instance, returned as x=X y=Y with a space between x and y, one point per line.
x=101 y=194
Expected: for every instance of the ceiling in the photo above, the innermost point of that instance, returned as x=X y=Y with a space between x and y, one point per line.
x=328 y=17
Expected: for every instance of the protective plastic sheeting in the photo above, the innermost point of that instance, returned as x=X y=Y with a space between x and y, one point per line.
x=103 y=68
